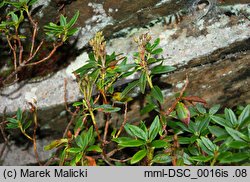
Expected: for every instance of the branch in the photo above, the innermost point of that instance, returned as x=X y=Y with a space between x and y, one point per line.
x=124 y=120
x=71 y=121
x=33 y=38
x=6 y=141
x=46 y=58
x=179 y=98
x=34 y=136
x=25 y=63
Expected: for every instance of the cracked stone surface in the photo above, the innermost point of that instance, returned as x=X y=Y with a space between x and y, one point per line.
x=214 y=52
x=177 y=51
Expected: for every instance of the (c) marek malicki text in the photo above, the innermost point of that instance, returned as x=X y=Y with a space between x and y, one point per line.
x=57 y=173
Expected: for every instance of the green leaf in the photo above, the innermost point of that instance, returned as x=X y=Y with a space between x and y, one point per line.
x=162 y=159
x=27 y=125
x=230 y=116
x=12 y=120
x=143 y=82
x=63 y=156
x=94 y=148
x=121 y=139
x=157 y=51
x=183 y=113
x=200 y=108
x=107 y=108
x=183 y=126
x=54 y=28
x=162 y=69
x=14 y=17
x=90 y=134
x=77 y=104
x=160 y=144
x=73 y=20
x=94 y=75
x=222 y=138
x=72 y=31
x=74 y=150
x=2 y=4
x=236 y=134
x=110 y=58
x=136 y=131
x=201 y=158
x=221 y=121
x=147 y=108
x=238 y=157
x=63 y=20
x=157 y=94
x=193 y=150
x=85 y=69
x=238 y=144
x=143 y=127
x=155 y=44
x=248 y=128
x=184 y=140
x=193 y=127
x=206 y=148
x=130 y=86
x=154 y=128
x=18 y=5
x=213 y=110
x=12 y=126
x=217 y=131
x=138 y=156
x=124 y=68
x=79 y=124
x=76 y=159
x=31 y=2
x=245 y=115
x=208 y=144
x=55 y=144
x=132 y=143
x=79 y=141
x=22 y=36
x=19 y=114
x=151 y=60
x=203 y=124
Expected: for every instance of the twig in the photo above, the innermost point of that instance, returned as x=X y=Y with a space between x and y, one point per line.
x=71 y=121
x=79 y=129
x=55 y=47
x=20 y=47
x=25 y=63
x=121 y=161
x=93 y=119
x=6 y=141
x=105 y=132
x=179 y=98
x=97 y=99
x=2 y=128
x=13 y=52
x=33 y=38
x=2 y=150
x=54 y=158
x=34 y=136
x=111 y=153
x=31 y=19
x=106 y=160
x=124 y=120
x=36 y=51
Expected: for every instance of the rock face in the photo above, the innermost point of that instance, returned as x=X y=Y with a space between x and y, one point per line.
x=214 y=52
